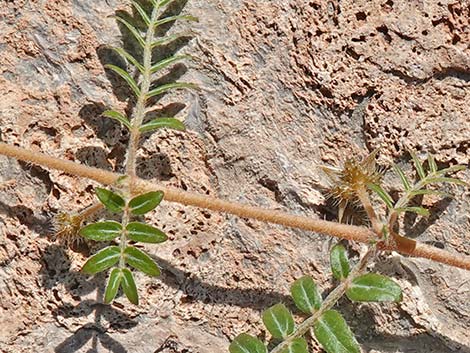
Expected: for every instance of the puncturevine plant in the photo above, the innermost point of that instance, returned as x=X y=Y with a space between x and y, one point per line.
x=356 y=182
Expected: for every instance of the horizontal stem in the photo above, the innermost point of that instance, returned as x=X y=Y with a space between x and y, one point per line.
x=360 y=234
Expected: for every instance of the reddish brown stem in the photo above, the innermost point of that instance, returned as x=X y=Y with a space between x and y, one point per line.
x=360 y=234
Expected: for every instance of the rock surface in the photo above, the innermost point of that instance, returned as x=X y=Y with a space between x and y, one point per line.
x=286 y=86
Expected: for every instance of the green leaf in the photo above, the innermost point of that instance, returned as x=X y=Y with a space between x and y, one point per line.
x=165 y=88
x=102 y=231
x=418 y=165
x=147 y=234
x=113 y=285
x=339 y=262
x=125 y=75
x=404 y=179
x=384 y=195
x=102 y=260
x=175 y=18
x=110 y=200
x=306 y=296
x=168 y=61
x=430 y=192
x=334 y=334
x=245 y=343
x=128 y=286
x=373 y=287
x=141 y=12
x=132 y=29
x=451 y=169
x=444 y=180
x=144 y=203
x=419 y=210
x=432 y=163
x=117 y=116
x=129 y=58
x=141 y=261
x=170 y=123
x=298 y=345
x=279 y=321
x=162 y=3
x=168 y=39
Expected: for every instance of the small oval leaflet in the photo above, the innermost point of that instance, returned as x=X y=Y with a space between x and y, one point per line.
x=141 y=261
x=334 y=334
x=298 y=345
x=110 y=200
x=144 y=203
x=112 y=287
x=147 y=234
x=339 y=262
x=102 y=231
x=279 y=321
x=373 y=287
x=245 y=343
x=102 y=260
x=128 y=286
x=306 y=296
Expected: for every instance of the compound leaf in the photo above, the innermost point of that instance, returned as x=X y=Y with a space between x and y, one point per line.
x=144 y=203
x=169 y=86
x=245 y=343
x=298 y=345
x=112 y=287
x=373 y=287
x=147 y=234
x=339 y=262
x=125 y=75
x=141 y=261
x=128 y=286
x=279 y=321
x=102 y=231
x=306 y=296
x=110 y=200
x=102 y=260
x=334 y=334
x=170 y=123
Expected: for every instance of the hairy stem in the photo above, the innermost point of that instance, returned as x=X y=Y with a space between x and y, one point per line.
x=123 y=239
x=329 y=301
x=360 y=234
x=139 y=111
x=137 y=120
x=374 y=220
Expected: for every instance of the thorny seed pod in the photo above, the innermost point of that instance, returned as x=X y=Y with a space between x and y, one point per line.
x=66 y=228
x=352 y=177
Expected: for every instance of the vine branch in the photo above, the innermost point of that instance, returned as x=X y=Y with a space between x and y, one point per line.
x=360 y=234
